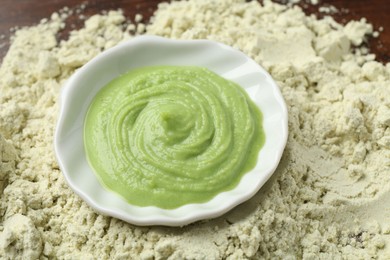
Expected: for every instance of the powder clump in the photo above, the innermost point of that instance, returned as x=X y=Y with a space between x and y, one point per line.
x=329 y=197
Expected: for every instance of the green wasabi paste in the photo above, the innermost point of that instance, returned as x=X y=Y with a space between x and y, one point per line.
x=168 y=136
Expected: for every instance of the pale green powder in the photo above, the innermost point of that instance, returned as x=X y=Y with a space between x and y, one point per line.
x=328 y=198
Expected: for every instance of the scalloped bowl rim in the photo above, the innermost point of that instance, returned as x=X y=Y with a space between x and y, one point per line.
x=141 y=51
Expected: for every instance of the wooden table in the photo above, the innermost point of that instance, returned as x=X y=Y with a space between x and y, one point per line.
x=29 y=12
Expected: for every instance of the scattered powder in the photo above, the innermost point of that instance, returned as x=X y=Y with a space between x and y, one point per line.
x=328 y=9
x=329 y=198
x=138 y=18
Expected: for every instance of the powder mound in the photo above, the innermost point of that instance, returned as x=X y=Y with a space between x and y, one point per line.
x=8 y=158
x=328 y=199
x=20 y=239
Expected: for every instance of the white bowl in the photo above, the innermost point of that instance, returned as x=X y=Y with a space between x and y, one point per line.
x=142 y=51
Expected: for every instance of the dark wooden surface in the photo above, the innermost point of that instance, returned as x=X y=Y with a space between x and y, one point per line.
x=29 y=12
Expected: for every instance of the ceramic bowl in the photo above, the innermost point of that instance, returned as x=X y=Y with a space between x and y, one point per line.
x=142 y=51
